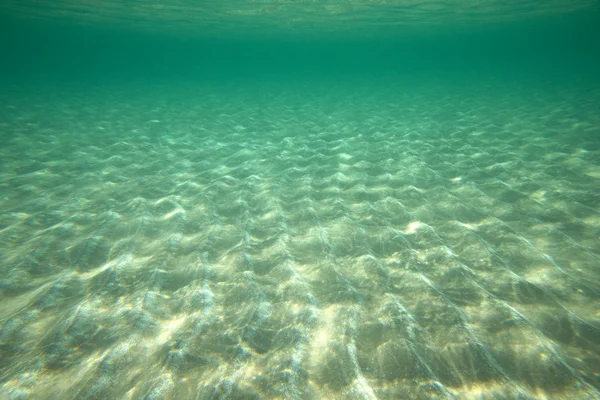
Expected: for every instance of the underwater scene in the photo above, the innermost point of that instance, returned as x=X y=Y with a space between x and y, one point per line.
x=294 y=199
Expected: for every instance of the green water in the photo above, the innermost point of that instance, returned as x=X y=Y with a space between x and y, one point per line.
x=300 y=200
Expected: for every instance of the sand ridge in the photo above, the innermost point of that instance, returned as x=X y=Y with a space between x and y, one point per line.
x=300 y=242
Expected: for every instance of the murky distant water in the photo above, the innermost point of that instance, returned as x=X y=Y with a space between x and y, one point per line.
x=243 y=202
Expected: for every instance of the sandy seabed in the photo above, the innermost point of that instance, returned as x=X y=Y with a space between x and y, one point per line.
x=383 y=240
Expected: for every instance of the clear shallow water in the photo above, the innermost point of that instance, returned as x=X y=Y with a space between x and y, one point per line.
x=406 y=218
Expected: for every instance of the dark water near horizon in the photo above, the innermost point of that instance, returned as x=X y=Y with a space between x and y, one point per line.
x=523 y=46
x=300 y=200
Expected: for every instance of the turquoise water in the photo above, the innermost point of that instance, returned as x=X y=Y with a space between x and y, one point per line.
x=300 y=200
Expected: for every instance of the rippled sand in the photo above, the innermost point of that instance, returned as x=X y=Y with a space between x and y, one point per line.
x=277 y=241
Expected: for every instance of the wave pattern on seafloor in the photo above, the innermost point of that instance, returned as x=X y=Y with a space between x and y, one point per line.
x=268 y=242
